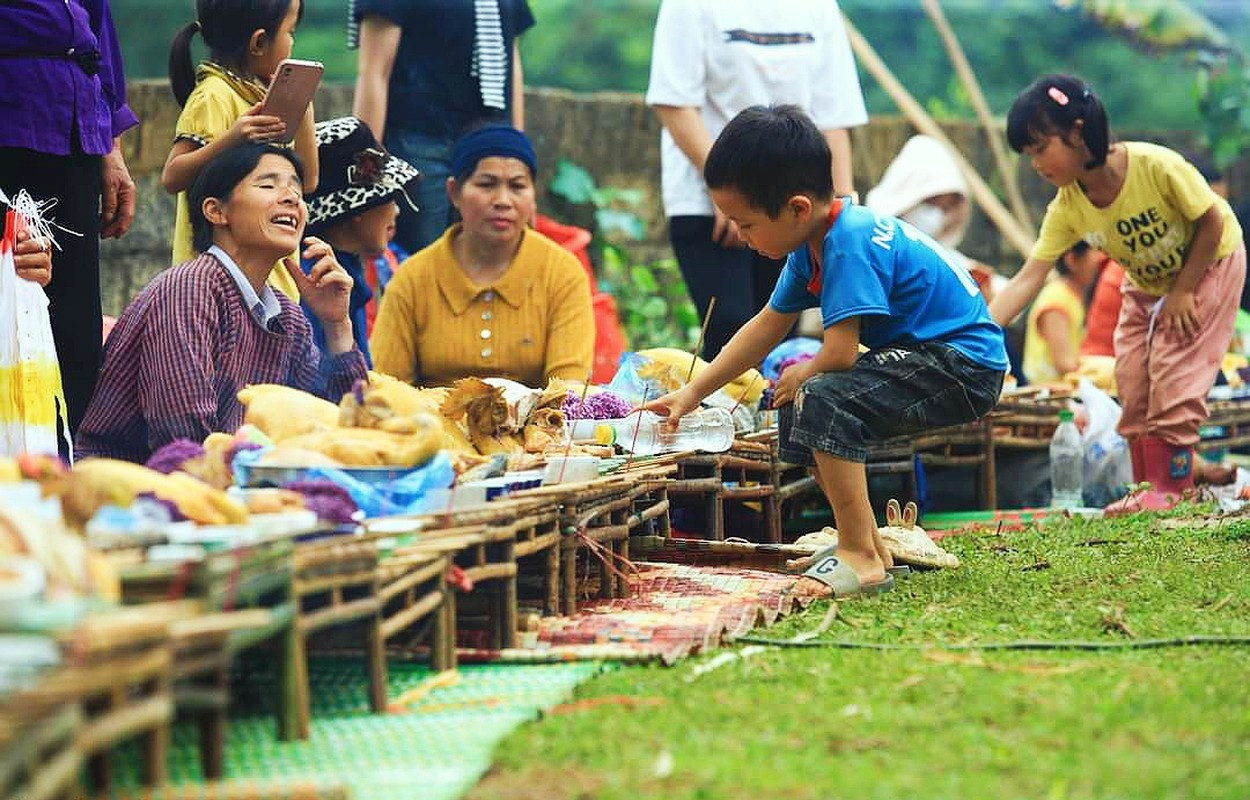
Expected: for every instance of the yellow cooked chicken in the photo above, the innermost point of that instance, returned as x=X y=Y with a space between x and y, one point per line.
x=369 y=447
x=96 y=482
x=282 y=412
x=390 y=405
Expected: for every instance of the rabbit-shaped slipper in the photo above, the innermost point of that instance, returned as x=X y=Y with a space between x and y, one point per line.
x=908 y=543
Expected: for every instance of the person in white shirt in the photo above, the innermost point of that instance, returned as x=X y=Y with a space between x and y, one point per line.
x=711 y=59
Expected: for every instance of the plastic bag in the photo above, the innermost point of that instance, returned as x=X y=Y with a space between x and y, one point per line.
x=1108 y=468
x=31 y=397
x=375 y=498
x=629 y=385
x=400 y=496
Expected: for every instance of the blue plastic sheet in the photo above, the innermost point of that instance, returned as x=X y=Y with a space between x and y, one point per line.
x=401 y=495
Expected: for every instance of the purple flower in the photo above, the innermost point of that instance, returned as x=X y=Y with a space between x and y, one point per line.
x=328 y=500
x=604 y=405
x=172 y=456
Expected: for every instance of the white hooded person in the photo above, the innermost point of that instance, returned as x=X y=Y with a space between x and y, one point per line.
x=925 y=187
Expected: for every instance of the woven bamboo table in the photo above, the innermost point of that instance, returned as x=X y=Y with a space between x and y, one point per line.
x=707 y=553
x=744 y=473
x=1026 y=421
x=335 y=582
x=255 y=576
x=118 y=669
x=204 y=647
x=484 y=553
x=533 y=517
x=39 y=756
x=968 y=446
x=413 y=589
x=651 y=504
x=594 y=517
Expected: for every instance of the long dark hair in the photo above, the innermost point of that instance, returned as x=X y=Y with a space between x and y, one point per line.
x=227 y=27
x=221 y=176
x=1051 y=106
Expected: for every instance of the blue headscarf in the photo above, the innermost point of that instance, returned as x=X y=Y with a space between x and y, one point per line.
x=492 y=140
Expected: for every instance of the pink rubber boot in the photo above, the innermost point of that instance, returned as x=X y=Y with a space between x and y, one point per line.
x=1169 y=469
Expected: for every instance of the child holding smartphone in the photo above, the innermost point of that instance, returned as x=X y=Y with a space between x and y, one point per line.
x=222 y=100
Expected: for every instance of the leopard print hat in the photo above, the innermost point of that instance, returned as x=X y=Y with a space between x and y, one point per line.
x=355 y=173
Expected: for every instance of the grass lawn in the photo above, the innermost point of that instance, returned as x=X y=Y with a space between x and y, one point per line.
x=933 y=723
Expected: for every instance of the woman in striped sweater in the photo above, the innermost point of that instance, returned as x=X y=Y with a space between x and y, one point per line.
x=208 y=327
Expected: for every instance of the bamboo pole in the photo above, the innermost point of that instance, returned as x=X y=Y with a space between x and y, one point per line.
x=969 y=79
x=981 y=193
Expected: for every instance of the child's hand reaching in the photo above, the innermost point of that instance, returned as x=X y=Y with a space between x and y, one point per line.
x=673 y=406
x=790 y=381
x=254 y=126
x=33 y=258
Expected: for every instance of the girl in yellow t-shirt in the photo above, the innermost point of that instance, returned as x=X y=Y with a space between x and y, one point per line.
x=1182 y=253
x=221 y=100
x=1056 y=323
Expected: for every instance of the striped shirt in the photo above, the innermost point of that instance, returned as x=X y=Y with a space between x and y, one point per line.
x=181 y=351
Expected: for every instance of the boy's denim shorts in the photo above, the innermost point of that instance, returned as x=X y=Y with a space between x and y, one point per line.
x=892 y=391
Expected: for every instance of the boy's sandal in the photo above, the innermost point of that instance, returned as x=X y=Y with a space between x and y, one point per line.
x=797 y=565
x=838 y=576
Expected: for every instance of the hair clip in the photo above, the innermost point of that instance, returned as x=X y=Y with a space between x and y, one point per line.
x=1057 y=95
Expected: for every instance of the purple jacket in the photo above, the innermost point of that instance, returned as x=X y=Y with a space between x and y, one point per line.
x=60 y=63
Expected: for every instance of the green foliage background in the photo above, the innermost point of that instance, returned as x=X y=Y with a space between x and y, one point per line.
x=590 y=45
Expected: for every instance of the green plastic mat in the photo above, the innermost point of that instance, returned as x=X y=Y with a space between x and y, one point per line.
x=437 y=750
x=951 y=520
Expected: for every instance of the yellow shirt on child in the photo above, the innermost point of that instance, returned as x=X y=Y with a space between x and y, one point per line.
x=1059 y=296
x=219 y=98
x=535 y=323
x=1149 y=225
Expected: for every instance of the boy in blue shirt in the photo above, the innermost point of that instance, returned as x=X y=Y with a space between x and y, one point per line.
x=934 y=357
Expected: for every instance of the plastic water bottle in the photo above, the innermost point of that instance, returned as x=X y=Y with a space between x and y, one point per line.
x=708 y=429
x=1066 y=463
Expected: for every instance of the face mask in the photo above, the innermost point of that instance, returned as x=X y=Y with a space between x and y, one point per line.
x=927 y=219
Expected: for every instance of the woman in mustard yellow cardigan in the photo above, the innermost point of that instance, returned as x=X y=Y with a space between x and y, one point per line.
x=491 y=297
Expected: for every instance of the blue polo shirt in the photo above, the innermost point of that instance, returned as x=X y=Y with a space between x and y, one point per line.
x=905 y=288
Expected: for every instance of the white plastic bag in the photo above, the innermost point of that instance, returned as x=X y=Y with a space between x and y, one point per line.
x=31 y=397
x=1108 y=468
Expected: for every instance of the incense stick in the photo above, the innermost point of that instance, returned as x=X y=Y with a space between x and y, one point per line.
x=637 y=428
x=698 y=346
x=745 y=392
x=568 y=447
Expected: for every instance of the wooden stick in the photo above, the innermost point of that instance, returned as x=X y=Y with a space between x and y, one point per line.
x=981 y=192
x=638 y=425
x=568 y=447
x=698 y=346
x=969 y=79
x=745 y=392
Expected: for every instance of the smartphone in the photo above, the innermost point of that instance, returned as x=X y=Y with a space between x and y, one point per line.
x=292 y=89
